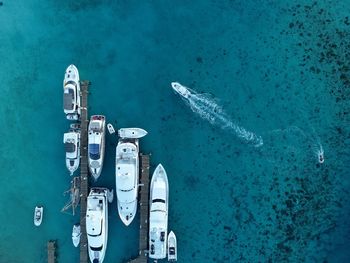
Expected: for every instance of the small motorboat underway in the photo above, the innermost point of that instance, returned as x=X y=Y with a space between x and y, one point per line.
x=97 y=224
x=181 y=90
x=71 y=93
x=38 y=215
x=110 y=128
x=127 y=178
x=158 y=222
x=96 y=147
x=172 y=247
x=131 y=133
x=71 y=142
x=76 y=233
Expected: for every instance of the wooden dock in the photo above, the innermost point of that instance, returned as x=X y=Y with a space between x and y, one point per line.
x=51 y=251
x=144 y=210
x=84 y=171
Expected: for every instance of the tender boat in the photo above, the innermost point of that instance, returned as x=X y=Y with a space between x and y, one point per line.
x=38 y=215
x=127 y=178
x=71 y=93
x=181 y=90
x=131 y=133
x=96 y=139
x=97 y=224
x=71 y=142
x=110 y=128
x=172 y=247
x=76 y=233
x=158 y=222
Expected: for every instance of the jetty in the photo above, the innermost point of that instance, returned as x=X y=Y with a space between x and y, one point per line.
x=84 y=170
x=144 y=210
x=51 y=251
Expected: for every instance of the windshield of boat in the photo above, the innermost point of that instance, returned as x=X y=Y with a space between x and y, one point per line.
x=94 y=151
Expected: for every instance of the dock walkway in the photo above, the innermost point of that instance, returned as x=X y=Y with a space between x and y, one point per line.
x=84 y=173
x=51 y=251
x=144 y=210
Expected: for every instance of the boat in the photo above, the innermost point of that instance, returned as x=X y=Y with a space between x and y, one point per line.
x=131 y=133
x=76 y=233
x=181 y=90
x=158 y=222
x=71 y=93
x=172 y=247
x=38 y=215
x=110 y=128
x=71 y=142
x=97 y=224
x=127 y=178
x=110 y=196
x=96 y=147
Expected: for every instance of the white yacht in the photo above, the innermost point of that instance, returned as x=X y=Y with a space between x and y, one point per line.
x=97 y=224
x=181 y=90
x=71 y=93
x=96 y=140
x=71 y=142
x=158 y=222
x=172 y=247
x=127 y=178
x=131 y=133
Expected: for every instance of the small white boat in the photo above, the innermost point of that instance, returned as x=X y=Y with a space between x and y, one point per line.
x=38 y=215
x=172 y=247
x=76 y=233
x=181 y=90
x=131 y=133
x=71 y=93
x=71 y=142
x=110 y=195
x=110 y=128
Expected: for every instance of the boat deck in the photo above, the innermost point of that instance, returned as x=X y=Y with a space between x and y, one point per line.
x=144 y=210
x=51 y=251
x=84 y=182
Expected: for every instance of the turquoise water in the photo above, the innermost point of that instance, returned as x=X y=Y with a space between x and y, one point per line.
x=278 y=70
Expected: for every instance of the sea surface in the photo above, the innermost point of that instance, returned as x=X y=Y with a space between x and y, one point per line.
x=272 y=85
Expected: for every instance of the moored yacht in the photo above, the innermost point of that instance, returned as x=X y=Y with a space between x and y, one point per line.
x=97 y=224
x=71 y=93
x=71 y=142
x=96 y=140
x=127 y=178
x=158 y=222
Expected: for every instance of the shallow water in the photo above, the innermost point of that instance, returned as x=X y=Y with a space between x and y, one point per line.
x=279 y=70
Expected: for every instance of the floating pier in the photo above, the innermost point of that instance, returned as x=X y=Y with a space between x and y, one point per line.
x=51 y=251
x=144 y=210
x=84 y=172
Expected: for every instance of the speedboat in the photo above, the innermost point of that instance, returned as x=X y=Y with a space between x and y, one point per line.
x=76 y=233
x=71 y=142
x=71 y=93
x=38 y=215
x=172 y=247
x=181 y=90
x=110 y=128
x=96 y=140
x=97 y=224
x=131 y=133
x=127 y=178
x=158 y=222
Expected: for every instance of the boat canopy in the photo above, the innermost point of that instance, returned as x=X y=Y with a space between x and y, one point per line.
x=69 y=147
x=94 y=151
x=68 y=99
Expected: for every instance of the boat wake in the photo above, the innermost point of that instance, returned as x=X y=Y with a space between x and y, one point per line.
x=207 y=108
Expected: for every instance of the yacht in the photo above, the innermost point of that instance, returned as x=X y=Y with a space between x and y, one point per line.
x=172 y=247
x=158 y=222
x=96 y=140
x=97 y=224
x=181 y=90
x=127 y=178
x=71 y=142
x=131 y=133
x=71 y=93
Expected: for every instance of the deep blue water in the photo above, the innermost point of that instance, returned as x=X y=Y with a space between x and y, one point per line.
x=279 y=70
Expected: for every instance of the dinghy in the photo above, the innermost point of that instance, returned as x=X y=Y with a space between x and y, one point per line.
x=131 y=133
x=38 y=215
x=172 y=247
x=76 y=235
x=110 y=128
x=110 y=195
